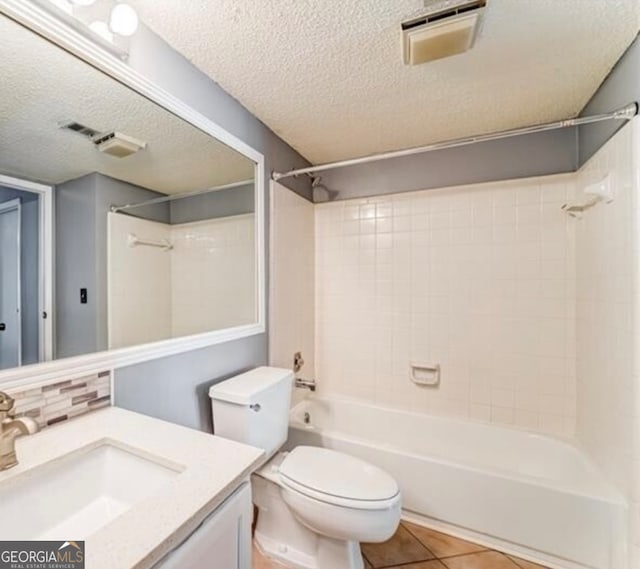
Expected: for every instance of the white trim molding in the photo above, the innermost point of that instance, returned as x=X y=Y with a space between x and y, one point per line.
x=43 y=23
x=15 y=205
x=45 y=260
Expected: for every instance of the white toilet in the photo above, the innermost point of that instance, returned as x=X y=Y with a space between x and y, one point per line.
x=315 y=505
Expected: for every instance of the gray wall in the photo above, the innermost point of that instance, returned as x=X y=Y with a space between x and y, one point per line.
x=620 y=88
x=29 y=269
x=221 y=203
x=173 y=388
x=75 y=266
x=521 y=157
x=81 y=257
x=176 y=388
x=533 y=155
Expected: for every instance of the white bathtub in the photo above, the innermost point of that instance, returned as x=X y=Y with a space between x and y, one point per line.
x=525 y=493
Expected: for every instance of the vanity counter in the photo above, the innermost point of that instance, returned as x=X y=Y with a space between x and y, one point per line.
x=203 y=471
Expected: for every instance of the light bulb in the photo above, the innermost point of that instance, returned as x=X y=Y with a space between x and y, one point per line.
x=124 y=20
x=102 y=30
x=82 y=2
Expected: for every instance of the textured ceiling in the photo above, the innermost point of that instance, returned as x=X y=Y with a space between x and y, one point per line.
x=42 y=85
x=328 y=77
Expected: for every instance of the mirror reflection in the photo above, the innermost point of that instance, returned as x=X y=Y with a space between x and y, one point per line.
x=120 y=223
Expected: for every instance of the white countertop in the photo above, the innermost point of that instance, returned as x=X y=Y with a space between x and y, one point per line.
x=211 y=469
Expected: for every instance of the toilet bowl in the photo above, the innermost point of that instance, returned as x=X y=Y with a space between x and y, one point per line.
x=316 y=505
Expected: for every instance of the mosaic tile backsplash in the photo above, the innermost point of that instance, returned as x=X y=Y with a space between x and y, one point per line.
x=57 y=402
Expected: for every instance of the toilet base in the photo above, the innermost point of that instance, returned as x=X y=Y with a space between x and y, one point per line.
x=328 y=553
x=281 y=537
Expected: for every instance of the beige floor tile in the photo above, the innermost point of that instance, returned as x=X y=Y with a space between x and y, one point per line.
x=483 y=560
x=433 y=564
x=526 y=564
x=440 y=544
x=401 y=549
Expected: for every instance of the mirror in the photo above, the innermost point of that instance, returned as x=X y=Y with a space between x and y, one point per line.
x=120 y=223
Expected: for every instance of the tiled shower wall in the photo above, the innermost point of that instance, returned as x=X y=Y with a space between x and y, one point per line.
x=206 y=282
x=213 y=272
x=608 y=300
x=502 y=289
x=479 y=279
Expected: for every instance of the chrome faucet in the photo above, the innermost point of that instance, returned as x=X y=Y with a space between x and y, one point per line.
x=306 y=383
x=10 y=429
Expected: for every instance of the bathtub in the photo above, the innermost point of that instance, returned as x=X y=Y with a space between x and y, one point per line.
x=524 y=493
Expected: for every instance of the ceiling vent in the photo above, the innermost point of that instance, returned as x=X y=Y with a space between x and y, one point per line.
x=118 y=144
x=445 y=28
x=78 y=128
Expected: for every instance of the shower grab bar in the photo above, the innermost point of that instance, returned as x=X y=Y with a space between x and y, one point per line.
x=134 y=241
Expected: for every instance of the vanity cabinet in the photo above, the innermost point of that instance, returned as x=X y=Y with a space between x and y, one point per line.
x=222 y=541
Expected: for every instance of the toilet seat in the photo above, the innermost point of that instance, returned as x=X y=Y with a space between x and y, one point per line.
x=338 y=479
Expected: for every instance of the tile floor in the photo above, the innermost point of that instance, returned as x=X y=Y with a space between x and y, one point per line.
x=415 y=547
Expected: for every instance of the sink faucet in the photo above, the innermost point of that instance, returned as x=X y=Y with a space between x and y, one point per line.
x=10 y=429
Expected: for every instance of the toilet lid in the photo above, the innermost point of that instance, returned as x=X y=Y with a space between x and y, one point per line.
x=318 y=471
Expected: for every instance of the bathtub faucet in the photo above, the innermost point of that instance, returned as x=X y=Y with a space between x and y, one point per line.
x=306 y=383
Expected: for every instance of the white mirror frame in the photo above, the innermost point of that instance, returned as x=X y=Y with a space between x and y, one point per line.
x=42 y=23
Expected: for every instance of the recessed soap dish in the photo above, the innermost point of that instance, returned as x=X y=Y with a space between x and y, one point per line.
x=427 y=375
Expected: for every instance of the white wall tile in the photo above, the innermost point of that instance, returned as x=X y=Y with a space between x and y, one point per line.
x=608 y=386
x=206 y=282
x=467 y=277
x=213 y=274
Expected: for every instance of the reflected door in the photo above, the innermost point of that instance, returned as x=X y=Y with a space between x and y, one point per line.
x=10 y=328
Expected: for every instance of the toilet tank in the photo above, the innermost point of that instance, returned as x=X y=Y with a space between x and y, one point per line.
x=253 y=408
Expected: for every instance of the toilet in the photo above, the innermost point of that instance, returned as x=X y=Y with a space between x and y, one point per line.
x=315 y=505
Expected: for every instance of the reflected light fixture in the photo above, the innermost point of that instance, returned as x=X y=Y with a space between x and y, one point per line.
x=108 y=23
x=123 y=20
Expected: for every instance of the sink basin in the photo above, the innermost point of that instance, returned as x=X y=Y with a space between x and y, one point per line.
x=75 y=496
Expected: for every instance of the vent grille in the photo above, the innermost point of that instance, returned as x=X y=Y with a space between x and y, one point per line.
x=79 y=129
x=103 y=138
x=444 y=10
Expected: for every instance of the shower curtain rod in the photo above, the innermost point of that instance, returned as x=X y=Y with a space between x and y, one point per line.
x=625 y=113
x=169 y=198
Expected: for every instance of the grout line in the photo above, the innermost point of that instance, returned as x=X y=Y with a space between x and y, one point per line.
x=483 y=550
x=418 y=540
x=518 y=564
x=415 y=563
x=404 y=564
x=473 y=553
